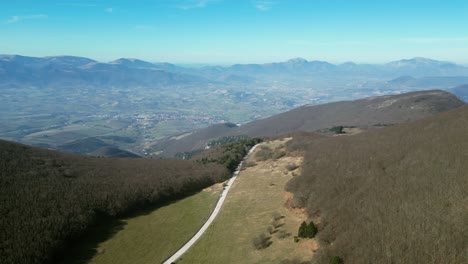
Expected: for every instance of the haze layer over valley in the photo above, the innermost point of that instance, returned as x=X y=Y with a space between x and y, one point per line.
x=80 y=105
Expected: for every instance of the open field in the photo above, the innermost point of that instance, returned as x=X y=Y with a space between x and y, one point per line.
x=153 y=237
x=256 y=195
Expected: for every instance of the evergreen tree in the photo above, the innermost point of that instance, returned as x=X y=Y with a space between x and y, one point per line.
x=307 y=230
x=302 y=230
x=311 y=230
x=336 y=260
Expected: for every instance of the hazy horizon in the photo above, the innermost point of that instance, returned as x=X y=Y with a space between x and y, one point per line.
x=227 y=64
x=245 y=31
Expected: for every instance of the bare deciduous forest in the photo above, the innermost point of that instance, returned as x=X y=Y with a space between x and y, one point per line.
x=391 y=195
x=48 y=199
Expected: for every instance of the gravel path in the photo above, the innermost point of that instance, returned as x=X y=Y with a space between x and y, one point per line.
x=213 y=215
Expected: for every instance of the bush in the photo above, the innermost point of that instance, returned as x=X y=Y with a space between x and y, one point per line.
x=294 y=261
x=277 y=223
x=283 y=234
x=337 y=129
x=307 y=230
x=250 y=164
x=291 y=167
x=228 y=155
x=277 y=216
x=261 y=241
x=271 y=230
x=336 y=260
x=279 y=154
x=264 y=153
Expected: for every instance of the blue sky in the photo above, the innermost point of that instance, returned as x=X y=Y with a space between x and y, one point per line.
x=237 y=31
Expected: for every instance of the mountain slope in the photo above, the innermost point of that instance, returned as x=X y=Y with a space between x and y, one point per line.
x=192 y=141
x=83 y=146
x=48 y=199
x=391 y=109
x=68 y=71
x=418 y=67
x=133 y=63
x=113 y=152
x=392 y=195
x=461 y=91
x=424 y=67
x=433 y=82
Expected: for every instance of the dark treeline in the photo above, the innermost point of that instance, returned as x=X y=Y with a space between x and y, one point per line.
x=228 y=155
x=232 y=145
x=48 y=199
x=391 y=195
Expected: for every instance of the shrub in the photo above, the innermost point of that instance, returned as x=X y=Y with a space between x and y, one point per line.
x=264 y=154
x=261 y=241
x=277 y=216
x=311 y=229
x=307 y=230
x=271 y=229
x=279 y=154
x=336 y=260
x=277 y=223
x=283 y=234
x=302 y=230
x=250 y=164
x=291 y=167
x=337 y=129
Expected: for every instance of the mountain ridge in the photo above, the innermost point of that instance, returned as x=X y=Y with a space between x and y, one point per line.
x=291 y=63
x=367 y=112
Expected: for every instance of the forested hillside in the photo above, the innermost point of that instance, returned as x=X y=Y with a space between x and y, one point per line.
x=391 y=195
x=48 y=199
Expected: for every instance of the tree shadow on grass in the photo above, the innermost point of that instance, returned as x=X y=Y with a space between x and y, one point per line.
x=84 y=248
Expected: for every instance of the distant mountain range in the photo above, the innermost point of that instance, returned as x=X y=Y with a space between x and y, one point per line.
x=66 y=102
x=461 y=91
x=298 y=66
x=69 y=70
x=66 y=71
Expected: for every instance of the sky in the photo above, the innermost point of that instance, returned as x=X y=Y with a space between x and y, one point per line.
x=237 y=31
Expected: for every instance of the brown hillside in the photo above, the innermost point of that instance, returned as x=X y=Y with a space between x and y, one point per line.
x=193 y=141
x=393 y=195
x=49 y=199
x=113 y=152
x=461 y=91
x=391 y=109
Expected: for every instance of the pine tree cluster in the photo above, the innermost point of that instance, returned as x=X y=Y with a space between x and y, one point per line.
x=307 y=230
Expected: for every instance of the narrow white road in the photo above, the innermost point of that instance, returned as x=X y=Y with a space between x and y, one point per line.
x=213 y=215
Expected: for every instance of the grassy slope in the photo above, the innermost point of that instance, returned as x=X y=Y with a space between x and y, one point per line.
x=153 y=237
x=247 y=212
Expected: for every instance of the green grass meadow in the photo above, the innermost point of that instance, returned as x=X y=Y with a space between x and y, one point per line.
x=153 y=237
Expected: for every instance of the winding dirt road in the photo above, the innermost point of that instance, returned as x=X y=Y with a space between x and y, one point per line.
x=213 y=215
